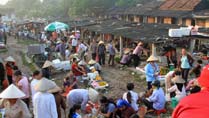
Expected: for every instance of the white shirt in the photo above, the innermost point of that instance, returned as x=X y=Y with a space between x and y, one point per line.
x=179 y=94
x=44 y=105
x=134 y=99
x=82 y=47
x=32 y=87
x=74 y=42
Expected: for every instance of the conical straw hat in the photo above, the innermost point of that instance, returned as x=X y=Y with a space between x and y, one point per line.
x=12 y=92
x=47 y=64
x=55 y=89
x=93 y=95
x=91 y=62
x=126 y=51
x=152 y=58
x=44 y=85
x=101 y=42
x=10 y=59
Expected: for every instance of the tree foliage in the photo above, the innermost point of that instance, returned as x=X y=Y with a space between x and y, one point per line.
x=62 y=8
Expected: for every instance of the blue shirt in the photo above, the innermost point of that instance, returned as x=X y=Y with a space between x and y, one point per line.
x=185 y=62
x=76 y=115
x=158 y=99
x=111 y=49
x=150 y=72
x=111 y=108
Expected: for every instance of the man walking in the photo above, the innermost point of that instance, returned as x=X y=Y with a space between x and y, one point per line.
x=111 y=50
x=101 y=53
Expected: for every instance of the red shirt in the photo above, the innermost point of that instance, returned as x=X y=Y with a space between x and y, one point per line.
x=75 y=71
x=193 y=106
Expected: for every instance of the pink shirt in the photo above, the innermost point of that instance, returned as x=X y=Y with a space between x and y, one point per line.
x=138 y=50
x=24 y=86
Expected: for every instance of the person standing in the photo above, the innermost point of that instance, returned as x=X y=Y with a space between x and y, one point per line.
x=196 y=103
x=23 y=85
x=46 y=69
x=82 y=50
x=62 y=49
x=151 y=70
x=112 y=52
x=37 y=76
x=10 y=63
x=101 y=52
x=44 y=102
x=74 y=43
x=134 y=96
x=185 y=63
x=93 y=49
x=137 y=53
x=60 y=103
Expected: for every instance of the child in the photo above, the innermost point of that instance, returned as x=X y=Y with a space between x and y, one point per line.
x=75 y=112
x=70 y=81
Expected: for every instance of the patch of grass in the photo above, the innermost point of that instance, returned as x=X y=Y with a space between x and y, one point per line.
x=27 y=41
x=29 y=65
x=3 y=50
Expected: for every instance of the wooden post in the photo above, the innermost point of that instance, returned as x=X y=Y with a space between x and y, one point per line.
x=121 y=46
x=154 y=50
x=192 y=45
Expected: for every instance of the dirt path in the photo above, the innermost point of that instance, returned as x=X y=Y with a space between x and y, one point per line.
x=16 y=50
x=116 y=77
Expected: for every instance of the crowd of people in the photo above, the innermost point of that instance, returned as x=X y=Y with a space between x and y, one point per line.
x=40 y=97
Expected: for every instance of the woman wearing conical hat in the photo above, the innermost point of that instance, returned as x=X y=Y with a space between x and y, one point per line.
x=44 y=102
x=13 y=105
x=46 y=69
x=152 y=68
x=10 y=64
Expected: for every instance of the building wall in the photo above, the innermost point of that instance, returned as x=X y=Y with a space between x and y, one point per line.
x=137 y=19
x=201 y=22
x=207 y=23
x=151 y=20
x=167 y=20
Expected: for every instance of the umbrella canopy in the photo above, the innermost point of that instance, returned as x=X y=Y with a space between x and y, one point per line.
x=56 y=26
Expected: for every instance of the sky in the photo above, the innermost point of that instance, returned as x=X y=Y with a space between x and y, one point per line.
x=2 y=2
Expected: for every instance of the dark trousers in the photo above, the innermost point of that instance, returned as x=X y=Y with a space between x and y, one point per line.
x=136 y=60
x=27 y=101
x=93 y=56
x=185 y=73
x=148 y=104
x=111 y=58
x=74 y=49
x=149 y=85
x=102 y=59
x=9 y=79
